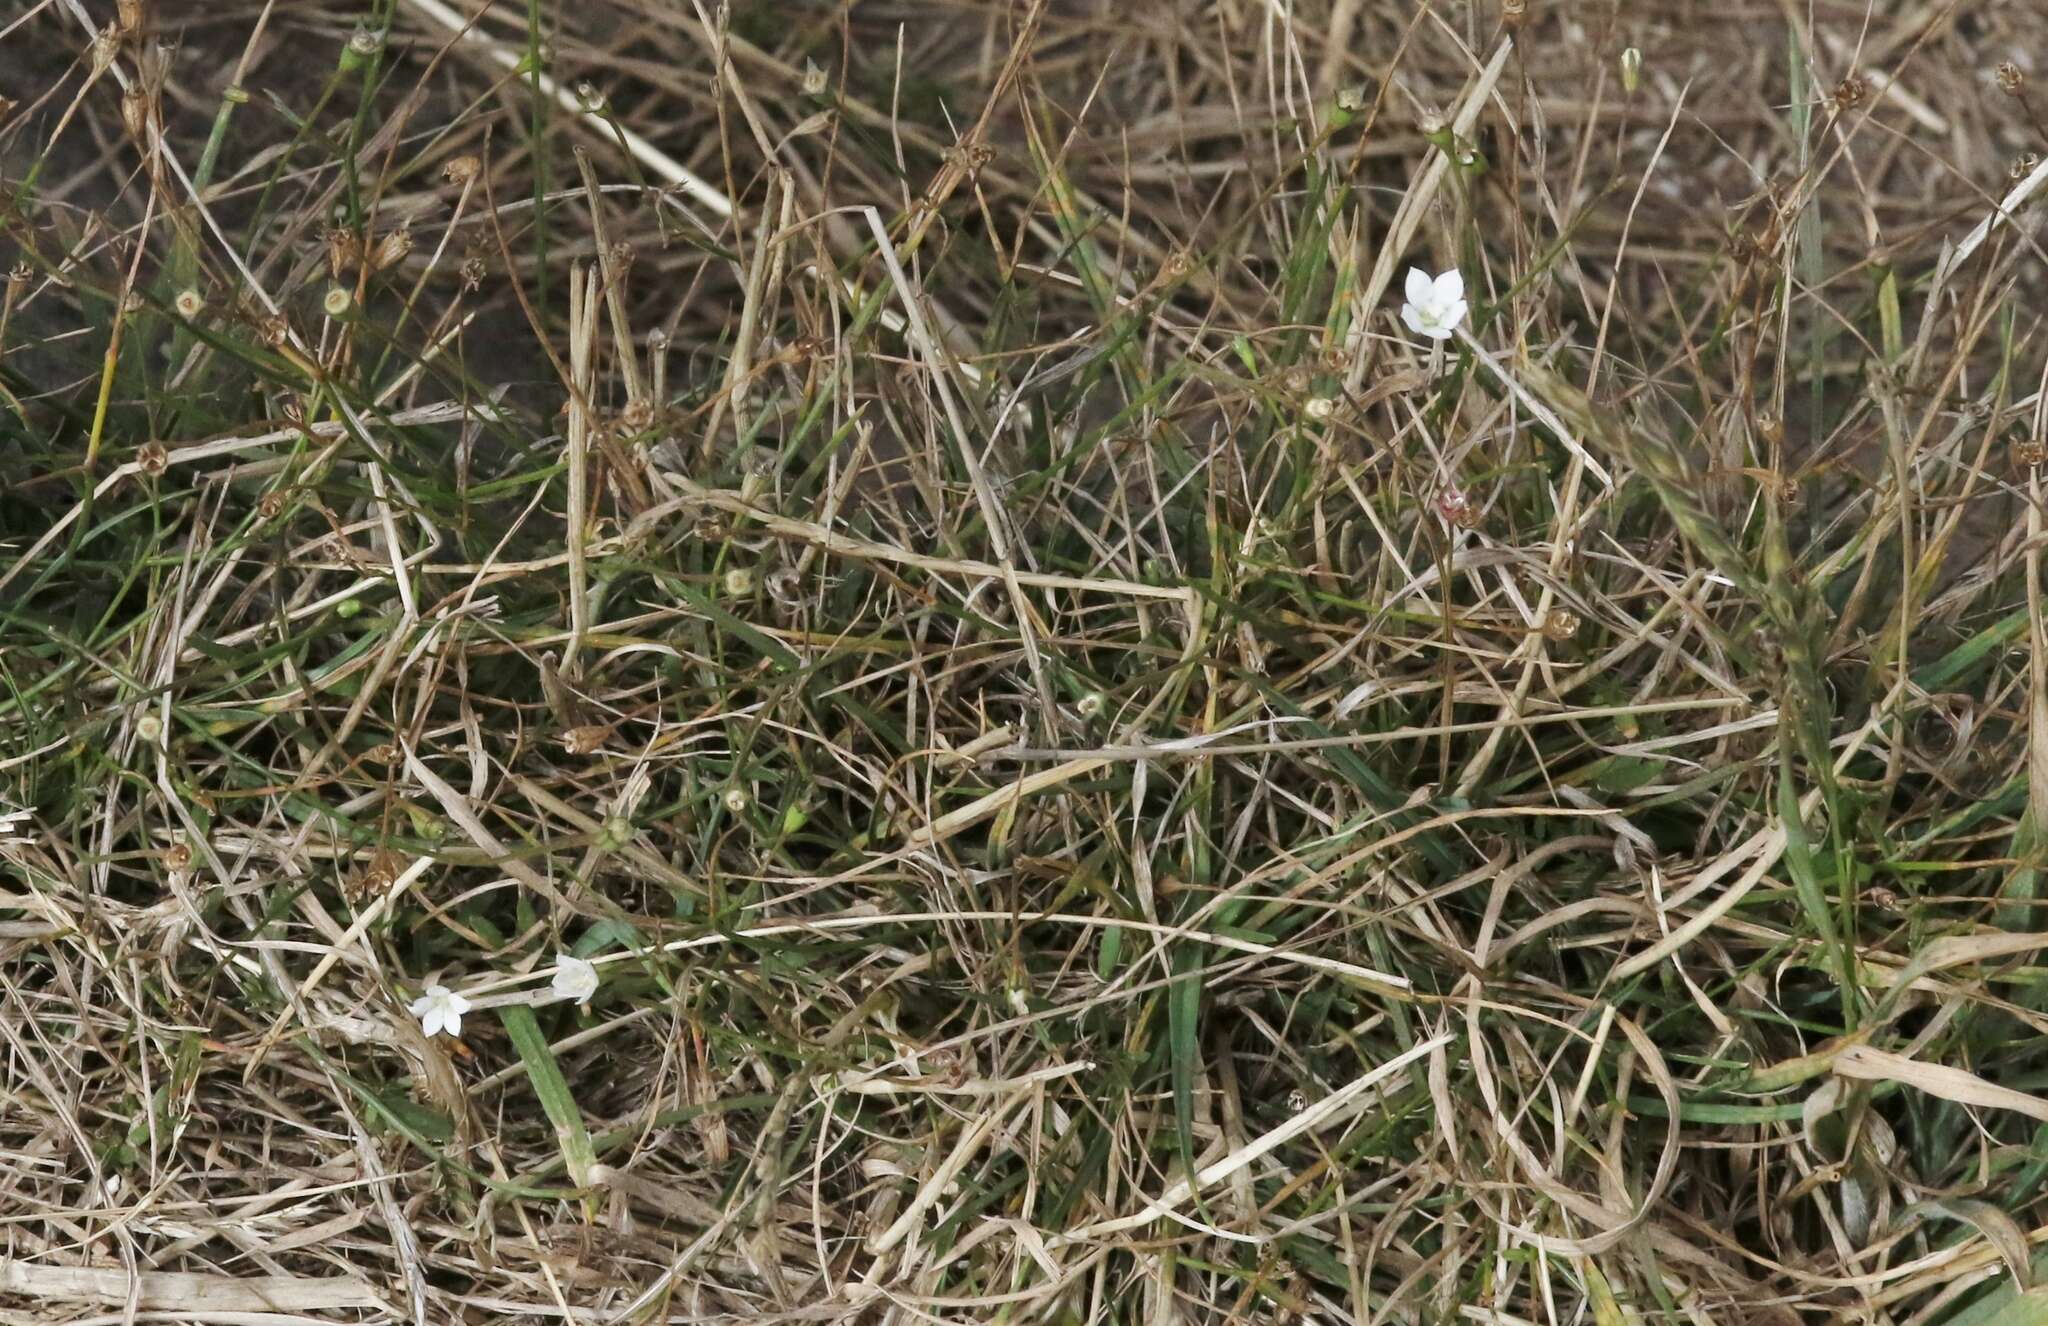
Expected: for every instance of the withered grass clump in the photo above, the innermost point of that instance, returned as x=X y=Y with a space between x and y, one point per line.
x=1100 y=778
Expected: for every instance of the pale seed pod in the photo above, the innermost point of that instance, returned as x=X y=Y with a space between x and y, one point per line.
x=391 y=249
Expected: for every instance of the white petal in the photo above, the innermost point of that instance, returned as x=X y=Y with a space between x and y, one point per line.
x=1419 y=286
x=574 y=978
x=1413 y=318
x=430 y=1021
x=1456 y=315
x=1450 y=287
x=451 y=1016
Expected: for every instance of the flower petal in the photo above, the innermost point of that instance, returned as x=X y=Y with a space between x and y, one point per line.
x=1419 y=286
x=1449 y=287
x=1411 y=316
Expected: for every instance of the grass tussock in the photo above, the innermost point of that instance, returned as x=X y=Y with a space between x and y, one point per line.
x=1099 y=776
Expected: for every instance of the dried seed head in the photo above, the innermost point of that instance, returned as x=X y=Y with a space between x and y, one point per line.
x=814 y=79
x=105 y=46
x=178 y=856
x=1319 y=407
x=152 y=459
x=271 y=505
x=1561 y=624
x=462 y=169
x=391 y=249
x=1770 y=428
x=1089 y=705
x=638 y=416
x=473 y=271
x=377 y=877
x=338 y=302
x=1177 y=266
x=587 y=739
x=979 y=155
x=1514 y=13
x=274 y=330
x=736 y=800
x=657 y=340
x=133 y=302
x=1298 y=379
x=344 y=251
x=150 y=729
x=1851 y=92
x=739 y=582
x=363 y=43
x=293 y=411
x=2029 y=452
x=1788 y=490
x=2012 y=80
x=2022 y=166
x=1631 y=69
x=188 y=304
x=135 y=113
x=20 y=274
x=1337 y=359
x=128 y=16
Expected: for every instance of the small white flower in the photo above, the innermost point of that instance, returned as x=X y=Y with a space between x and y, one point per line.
x=1436 y=305
x=440 y=1009
x=575 y=979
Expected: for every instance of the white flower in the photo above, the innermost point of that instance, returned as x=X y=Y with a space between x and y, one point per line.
x=1436 y=305
x=440 y=1009
x=575 y=979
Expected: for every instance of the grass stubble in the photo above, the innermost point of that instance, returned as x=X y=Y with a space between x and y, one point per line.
x=1101 y=779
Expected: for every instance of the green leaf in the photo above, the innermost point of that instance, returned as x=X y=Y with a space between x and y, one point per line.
x=2028 y=1309
x=1184 y=1022
x=578 y=1156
